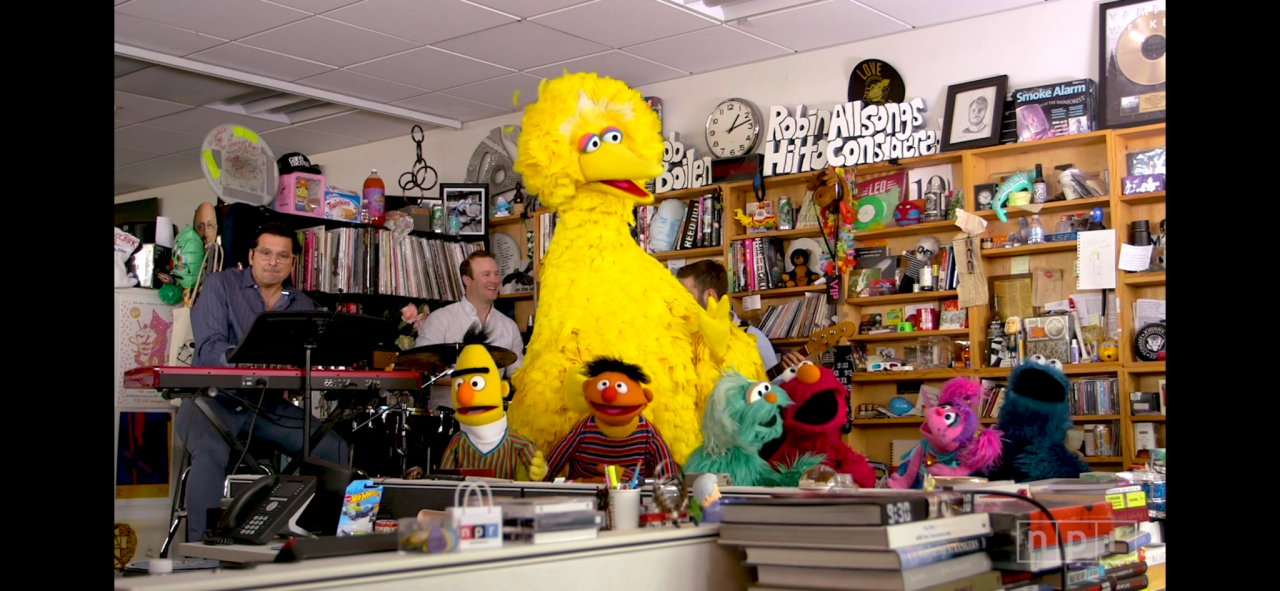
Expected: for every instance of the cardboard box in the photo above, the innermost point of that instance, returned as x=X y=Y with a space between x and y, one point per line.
x=1056 y=110
x=301 y=194
x=341 y=204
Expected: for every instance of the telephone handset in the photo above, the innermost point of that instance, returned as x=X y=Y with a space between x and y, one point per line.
x=268 y=505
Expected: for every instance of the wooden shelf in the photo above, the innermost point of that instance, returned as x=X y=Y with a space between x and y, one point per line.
x=992 y=253
x=891 y=165
x=524 y=295
x=900 y=421
x=710 y=251
x=1091 y=418
x=1141 y=198
x=1145 y=367
x=903 y=298
x=1147 y=418
x=1153 y=130
x=1070 y=369
x=906 y=336
x=685 y=193
x=867 y=377
x=1144 y=279
x=780 y=292
x=1089 y=203
x=925 y=228
x=1103 y=460
x=800 y=233
x=1079 y=139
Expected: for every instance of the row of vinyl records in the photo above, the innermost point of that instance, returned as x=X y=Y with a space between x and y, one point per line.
x=546 y=229
x=372 y=261
x=1088 y=396
x=797 y=318
x=695 y=224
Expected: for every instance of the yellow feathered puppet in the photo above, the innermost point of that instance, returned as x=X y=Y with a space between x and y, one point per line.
x=586 y=147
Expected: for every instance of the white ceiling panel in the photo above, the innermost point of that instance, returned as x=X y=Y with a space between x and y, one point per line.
x=125 y=155
x=431 y=68
x=179 y=86
x=922 y=13
x=161 y=38
x=824 y=24
x=499 y=91
x=448 y=106
x=201 y=120
x=125 y=65
x=527 y=8
x=227 y=19
x=297 y=139
x=156 y=140
x=614 y=64
x=168 y=170
x=320 y=39
x=260 y=61
x=361 y=86
x=708 y=49
x=315 y=6
x=120 y=123
x=424 y=21
x=136 y=109
x=364 y=125
x=521 y=45
x=622 y=23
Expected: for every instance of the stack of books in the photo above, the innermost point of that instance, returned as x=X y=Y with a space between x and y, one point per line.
x=542 y=520
x=875 y=540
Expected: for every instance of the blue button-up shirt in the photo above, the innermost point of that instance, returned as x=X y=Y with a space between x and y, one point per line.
x=228 y=304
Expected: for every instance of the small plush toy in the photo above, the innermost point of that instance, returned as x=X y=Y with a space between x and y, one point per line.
x=812 y=424
x=800 y=276
x=615 y=433
x=741 y=416
x=1035 y=418
x=951 y=441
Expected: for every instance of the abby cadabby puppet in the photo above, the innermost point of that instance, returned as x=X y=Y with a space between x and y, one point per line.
x=952 y=442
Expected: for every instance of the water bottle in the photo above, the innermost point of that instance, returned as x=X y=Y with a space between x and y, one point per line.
x=1036 y=235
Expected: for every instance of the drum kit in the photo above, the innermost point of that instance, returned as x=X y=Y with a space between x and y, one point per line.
x=403 y=439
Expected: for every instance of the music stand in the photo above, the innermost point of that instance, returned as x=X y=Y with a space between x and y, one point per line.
x=303 y=339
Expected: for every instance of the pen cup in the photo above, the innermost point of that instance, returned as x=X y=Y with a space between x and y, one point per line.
x=624 y=508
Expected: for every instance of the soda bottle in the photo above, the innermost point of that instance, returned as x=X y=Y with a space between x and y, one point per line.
x=1036 y=235
x=374 y=195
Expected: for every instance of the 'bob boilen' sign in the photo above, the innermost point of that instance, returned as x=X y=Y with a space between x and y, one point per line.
x=849 y=134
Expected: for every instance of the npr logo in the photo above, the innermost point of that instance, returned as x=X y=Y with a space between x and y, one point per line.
x=1081 y=538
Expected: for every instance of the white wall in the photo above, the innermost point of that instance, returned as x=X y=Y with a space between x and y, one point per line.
x=1050 y=42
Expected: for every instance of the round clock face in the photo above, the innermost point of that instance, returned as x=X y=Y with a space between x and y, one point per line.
x=733 y=129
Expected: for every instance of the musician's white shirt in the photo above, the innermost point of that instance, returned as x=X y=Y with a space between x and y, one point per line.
x=450 y=323
x=767 y=356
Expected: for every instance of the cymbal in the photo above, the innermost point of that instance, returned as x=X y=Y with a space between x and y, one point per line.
x=432 y=357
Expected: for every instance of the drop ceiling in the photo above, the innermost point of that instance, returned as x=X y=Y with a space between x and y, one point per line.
x=445 y=61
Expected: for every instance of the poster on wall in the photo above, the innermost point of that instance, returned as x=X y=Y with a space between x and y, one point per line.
x=142 y=330
x=143 y=454
x=1131 y=59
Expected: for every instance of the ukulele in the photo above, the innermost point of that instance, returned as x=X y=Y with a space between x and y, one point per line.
x=819 y=341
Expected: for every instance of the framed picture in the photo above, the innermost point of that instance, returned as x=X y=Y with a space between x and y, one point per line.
x=1131 y=63
x=466 y=207
x=974 y=114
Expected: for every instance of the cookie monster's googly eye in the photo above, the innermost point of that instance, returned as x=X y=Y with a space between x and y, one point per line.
x=1038 y=358
x=1054 y=363
x=758 y=391
x=589 y=143
x=602 y=384
x=612 y=135
x=620 y=387
x=950 y=418
x=477 y=383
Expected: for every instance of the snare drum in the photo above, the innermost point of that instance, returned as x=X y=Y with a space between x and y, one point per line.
x=387 y=441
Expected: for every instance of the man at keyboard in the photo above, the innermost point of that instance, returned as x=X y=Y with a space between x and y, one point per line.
x=228 y=304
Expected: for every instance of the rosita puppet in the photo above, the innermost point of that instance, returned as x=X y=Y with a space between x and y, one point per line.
x=812 y=424
x=952 y=443
x=1035 y=419
x=615 y=432
x=483 y=441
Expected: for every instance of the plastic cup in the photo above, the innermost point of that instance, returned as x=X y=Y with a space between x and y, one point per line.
x=624 y=508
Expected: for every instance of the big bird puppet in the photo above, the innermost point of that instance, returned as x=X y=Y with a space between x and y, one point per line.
x=586 y=147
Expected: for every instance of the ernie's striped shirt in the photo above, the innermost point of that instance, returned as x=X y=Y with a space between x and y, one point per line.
x=585 y=448
x=513 y=451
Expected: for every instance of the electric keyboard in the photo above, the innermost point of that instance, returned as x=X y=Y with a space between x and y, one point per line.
x=231 y=378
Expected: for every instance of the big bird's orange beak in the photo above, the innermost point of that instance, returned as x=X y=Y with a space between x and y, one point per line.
x=619 y=171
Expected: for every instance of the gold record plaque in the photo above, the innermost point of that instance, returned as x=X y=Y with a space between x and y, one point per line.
x=1132 y=63
x=1140 y=52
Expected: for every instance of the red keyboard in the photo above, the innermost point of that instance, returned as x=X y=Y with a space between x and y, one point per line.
x=231 y=378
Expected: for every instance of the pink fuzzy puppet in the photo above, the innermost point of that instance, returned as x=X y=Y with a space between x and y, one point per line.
x=952 y=441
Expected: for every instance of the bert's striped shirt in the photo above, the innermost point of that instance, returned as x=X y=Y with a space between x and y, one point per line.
x=513 y=451
x=585 y=447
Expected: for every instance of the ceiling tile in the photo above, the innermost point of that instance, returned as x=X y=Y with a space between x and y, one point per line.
x=179 y=86
x=200 y=121
x=329 y=42
x=120 y=123
x=136 y=109
x=603 y=21
x=431 y=68
x=499 y=91
x=315 y=6
x=614 y=64
x=364 y=125
x=297 y=139
x=125 y=65
x=447 y=106
x=361 y=86
x=161 y=38
x=824 y=24
x=521 y=46
x=125 y=155
x=156 y=140
x=424 y=21
x=708 y=50
x=527 y=8
x=260 y=62
x=922 y=13
x=160 y=172
x=228 y=19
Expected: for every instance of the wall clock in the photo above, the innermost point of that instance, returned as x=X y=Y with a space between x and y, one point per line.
x=733 y=128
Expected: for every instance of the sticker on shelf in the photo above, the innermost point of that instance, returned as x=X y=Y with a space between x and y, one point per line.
x=751 y=302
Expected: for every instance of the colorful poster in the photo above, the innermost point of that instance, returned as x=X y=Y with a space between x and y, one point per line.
x=143 y=454
x=142 y=332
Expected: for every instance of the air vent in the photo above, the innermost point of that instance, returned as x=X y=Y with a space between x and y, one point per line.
x=277 y=106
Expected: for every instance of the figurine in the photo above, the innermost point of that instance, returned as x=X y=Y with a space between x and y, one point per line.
x=800 y=276
x=952 y=443
x=501 y=209
x=706 y=493
x=919 y=258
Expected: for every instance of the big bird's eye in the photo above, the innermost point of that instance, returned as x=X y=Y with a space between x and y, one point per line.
x=758 y=391
x=589 y=143
x=612 y=135
x=620 y=387
x=602 y=384
x=950 y=418
x=1054 y=363
x=477 y=383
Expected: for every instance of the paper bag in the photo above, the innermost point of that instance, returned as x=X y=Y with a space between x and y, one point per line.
x=479 y=526
x=972 y=289
x=1046 y=285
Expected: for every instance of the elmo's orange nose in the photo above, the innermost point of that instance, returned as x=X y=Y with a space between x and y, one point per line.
x=808 y=373
x=609 y=394
x=465 y=395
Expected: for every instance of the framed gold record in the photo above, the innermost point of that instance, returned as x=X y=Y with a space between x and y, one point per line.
x=1131 y=63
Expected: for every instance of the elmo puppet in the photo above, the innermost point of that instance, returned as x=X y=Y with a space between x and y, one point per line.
x=812 y=423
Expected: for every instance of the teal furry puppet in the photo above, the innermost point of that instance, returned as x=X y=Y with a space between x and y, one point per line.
x=740 y=417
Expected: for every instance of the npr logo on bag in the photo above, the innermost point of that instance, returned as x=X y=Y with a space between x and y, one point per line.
x=479 y=525
x=478 y=532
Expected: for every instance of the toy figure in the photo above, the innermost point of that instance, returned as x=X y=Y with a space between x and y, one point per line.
x=742 y=415
x=501 y=208
x=1034 y=419
x=951 y=441
x=706 y=496
x=300 y=193
x=616 y=432
x=483 y=441
x=918 y=258
x=801 y=275
x=813 y=423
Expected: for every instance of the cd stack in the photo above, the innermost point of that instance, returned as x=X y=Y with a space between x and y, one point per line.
x=541 y=520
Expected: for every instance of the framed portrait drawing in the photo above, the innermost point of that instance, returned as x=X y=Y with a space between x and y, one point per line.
x=1131 y=63
x=466 y=206
x=974 y=113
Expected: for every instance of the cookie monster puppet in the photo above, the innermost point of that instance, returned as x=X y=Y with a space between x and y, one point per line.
x=1035 y=418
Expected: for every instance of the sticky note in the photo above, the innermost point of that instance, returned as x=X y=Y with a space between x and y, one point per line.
x=211 y=165
x=245 y=133
x=1136 y=499
x=1020 y=264
x=1117 y=501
